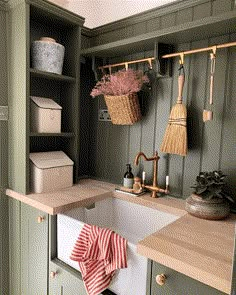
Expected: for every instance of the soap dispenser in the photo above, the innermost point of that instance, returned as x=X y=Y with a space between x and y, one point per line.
x=128 y=177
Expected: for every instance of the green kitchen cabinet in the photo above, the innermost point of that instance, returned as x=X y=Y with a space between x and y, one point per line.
x=64 y=281
x=176 y=283
x=34 y=251
x=28 y=250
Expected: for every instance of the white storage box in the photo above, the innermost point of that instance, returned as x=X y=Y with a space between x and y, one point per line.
x=45 y=115
x=50 y=171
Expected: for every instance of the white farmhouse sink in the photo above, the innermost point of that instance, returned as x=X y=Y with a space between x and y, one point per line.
x=133 y=222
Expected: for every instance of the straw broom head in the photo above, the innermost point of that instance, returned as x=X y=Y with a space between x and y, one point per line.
x=175 y=138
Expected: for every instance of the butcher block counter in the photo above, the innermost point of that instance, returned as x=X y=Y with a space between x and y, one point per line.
x=200 y=249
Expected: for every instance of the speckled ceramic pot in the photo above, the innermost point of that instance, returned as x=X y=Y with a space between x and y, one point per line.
x=47 y=55
x=213 y=209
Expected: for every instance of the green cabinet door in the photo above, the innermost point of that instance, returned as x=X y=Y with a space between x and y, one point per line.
x=34 y=251
x=178 y=284
x=63 y=280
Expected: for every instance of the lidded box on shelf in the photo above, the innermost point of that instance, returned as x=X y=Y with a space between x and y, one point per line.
x=50 y=171
x=45 y=115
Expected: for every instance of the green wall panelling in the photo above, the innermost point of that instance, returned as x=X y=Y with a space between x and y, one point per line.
x=4 y=264
x=178 y=284
x=202 y=10
x=211 y=149
x=197 y=96
x=219 y=6
x=228 y=137
x=207 y=141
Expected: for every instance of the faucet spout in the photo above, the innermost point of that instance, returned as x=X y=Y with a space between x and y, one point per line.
x=154 y=188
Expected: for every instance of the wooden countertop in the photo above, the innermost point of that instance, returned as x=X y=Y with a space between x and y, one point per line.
x=198 y=248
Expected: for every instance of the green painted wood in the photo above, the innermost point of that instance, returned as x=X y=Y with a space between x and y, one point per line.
x=233 y=282
x=184 y=16
x=18 y=127
x=212 y=132
x=66 y=282
x=34 y=251
x=219 y=6
x=4 y=246
x=46 y=75
x=228 y=139
x=202 y=10
x=178 y=284
x=176 y=162
x=168 y=20
x=199 y=29
x=198 y=94
x=14 y=247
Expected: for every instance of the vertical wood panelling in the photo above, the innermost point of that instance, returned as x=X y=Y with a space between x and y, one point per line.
x=219 y=6
x=135 y=134
x=208 y=150
x=176 y=162
x=202 y=10
x=197 y=94
x=163 y=97
x=228 y=140
x=212 y=129
x=14 y=247
x=4 y=265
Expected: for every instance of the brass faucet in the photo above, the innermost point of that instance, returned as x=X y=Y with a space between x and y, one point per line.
x=154 y=188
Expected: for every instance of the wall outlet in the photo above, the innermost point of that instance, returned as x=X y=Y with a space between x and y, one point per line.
x=3 y=113
x=103 y=115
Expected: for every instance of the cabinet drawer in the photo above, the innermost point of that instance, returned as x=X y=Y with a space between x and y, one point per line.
x=178 y=284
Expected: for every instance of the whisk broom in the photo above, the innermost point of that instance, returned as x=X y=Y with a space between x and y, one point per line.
x=175 y=138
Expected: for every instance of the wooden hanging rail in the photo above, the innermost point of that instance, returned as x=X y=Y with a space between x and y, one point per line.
x=180 y=54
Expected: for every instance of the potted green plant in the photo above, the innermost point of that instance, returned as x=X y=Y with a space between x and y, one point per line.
x=209 y=201
x=120 y=93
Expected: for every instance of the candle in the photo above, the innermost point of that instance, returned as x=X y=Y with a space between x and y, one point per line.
x=167 y=180
x=143 y=176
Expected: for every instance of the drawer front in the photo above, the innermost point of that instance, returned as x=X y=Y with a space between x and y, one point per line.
x=178 y=284
x=64 y=281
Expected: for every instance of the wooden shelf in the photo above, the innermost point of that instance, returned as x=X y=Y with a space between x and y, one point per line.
x=196 y=30
x=62 y=134
x=51 y=76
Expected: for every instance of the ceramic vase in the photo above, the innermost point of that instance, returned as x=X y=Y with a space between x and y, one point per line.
x=47 y=55
x=213 y=209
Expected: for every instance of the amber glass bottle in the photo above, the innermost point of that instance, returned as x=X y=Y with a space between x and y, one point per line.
x=128 y=177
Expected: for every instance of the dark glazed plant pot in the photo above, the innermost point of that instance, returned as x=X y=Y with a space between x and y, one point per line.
x=213 y=209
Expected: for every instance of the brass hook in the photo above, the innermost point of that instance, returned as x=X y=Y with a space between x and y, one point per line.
x=150 y=63
x=110 y=70
x=181 y=58
x=126 y=66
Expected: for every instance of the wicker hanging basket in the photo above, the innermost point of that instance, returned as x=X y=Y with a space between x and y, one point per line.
x=123 y=109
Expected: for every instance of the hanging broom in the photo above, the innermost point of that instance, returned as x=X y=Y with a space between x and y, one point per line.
x=175 y=139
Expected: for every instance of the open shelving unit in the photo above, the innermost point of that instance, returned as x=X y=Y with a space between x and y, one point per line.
x=43 y=19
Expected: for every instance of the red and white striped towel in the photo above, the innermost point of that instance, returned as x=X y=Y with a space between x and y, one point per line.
x=99 y=252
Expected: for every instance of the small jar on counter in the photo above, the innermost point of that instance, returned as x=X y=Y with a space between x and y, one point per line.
x=137 y=187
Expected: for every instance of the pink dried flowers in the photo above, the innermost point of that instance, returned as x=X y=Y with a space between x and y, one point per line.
x=123 y=82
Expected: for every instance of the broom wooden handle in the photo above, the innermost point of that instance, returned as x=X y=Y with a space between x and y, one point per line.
x=180 y=88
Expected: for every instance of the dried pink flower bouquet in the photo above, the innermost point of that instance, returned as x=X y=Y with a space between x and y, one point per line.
x=123 y=82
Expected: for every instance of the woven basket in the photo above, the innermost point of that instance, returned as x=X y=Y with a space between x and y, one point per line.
x=123 y=109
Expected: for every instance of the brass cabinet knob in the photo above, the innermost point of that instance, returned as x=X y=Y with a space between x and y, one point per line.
x=53 y=274
x=40 y=219
x=161 y=279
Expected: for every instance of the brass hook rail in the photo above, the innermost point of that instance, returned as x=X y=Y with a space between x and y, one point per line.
x=180 y=54
x=192 y=51
x=126 y=63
